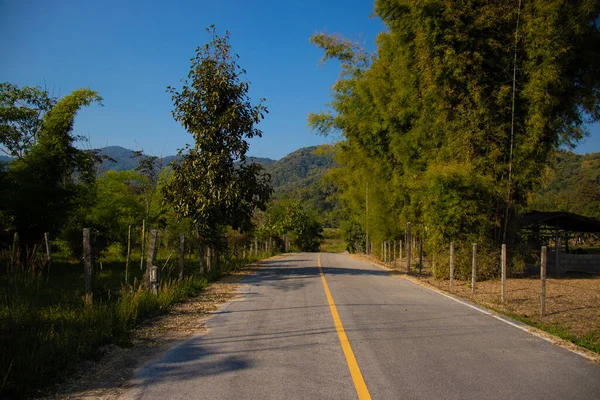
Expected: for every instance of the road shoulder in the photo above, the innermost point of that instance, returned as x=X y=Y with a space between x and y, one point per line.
x=557 y=341
x=111 y=376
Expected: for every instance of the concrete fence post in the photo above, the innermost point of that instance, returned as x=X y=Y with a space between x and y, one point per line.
x=87 y=266
x=14 y=253
x=400 y=251
x=151 y=256
x=48 y=251
x=420 y=254
x=181 y=254
x=143 y=244
x=451 y=263
x=558 y=246
x=154 y=278
x=503 y=266
x=408 y=248
x=474 y=270
x=543 y=281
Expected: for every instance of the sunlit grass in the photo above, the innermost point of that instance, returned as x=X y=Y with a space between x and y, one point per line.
x=46 y=328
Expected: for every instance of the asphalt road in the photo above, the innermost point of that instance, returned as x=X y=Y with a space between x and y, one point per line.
x=280 y=340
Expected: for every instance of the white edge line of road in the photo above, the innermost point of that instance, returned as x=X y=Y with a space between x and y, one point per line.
x=499 y=318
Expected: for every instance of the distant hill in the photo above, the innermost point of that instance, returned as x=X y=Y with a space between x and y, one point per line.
x=5 y=159
x=572 y=184
x=302 y=168
x=124 y=159
x=298 y=169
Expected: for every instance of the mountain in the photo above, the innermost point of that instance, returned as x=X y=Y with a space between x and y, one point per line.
x=124 y=159
x=571 y=183
x=5 y=159
x=302 y=168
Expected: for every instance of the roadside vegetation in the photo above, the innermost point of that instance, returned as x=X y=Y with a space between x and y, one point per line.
x=458 y=123
x=204 y=215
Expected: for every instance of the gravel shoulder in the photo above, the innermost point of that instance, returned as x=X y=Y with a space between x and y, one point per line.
x=572 y=303
x=110 y=376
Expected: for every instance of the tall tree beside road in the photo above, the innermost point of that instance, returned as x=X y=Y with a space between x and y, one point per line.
x=22 y=113
x=214 y=107
x=462 y=104
x=41 y=188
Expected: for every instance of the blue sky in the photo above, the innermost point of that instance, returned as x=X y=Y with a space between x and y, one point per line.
x=130 y=51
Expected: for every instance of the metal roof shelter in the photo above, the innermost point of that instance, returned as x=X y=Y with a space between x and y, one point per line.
x=560 y=220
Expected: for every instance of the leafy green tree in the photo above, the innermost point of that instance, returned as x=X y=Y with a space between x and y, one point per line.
x=22 y=111
x=293 y=218
x=114 y=206
x=213 y=105
x=43 y=187
x=459 y=109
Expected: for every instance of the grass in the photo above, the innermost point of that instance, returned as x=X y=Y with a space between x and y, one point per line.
x=46 y=329
x=332 y=241
x=590 y=341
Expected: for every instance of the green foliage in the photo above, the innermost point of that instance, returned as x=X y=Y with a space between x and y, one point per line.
x=333 y=241
x=302 y=176
x=43 y=186
x=354 y=236
x=213 y=105
x=571 y=183
x=22 y=111
x=47 y=329
x=427 y=121
x=113 y=203
x=290 y=217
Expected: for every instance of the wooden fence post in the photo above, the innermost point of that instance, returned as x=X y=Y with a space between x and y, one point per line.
x=420 y=254
x=87 y=266
x=143 y=244
x=151 y=256
x=48 y=251
x=408 y=248
x=128 y=255
x=503 y=266
x=201 y=258
x=543 y=282
x=209 y=260
x=474 y=270
x=15 y=251
x=181 y=254
x=400 y=251
x=557 y=245
x=451 y=263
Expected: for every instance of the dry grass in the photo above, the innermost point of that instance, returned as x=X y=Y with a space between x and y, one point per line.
x=572 y=301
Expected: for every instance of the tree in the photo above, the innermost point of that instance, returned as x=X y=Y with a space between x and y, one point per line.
x=22 y=111
x=42 y=188
x=440 y=117
x=214 y=107
x=148 y=168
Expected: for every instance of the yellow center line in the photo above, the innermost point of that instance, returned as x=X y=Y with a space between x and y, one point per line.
x=357 y=378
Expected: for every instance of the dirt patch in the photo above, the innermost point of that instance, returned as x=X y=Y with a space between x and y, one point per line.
x=109 y=377
x=572 y=301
